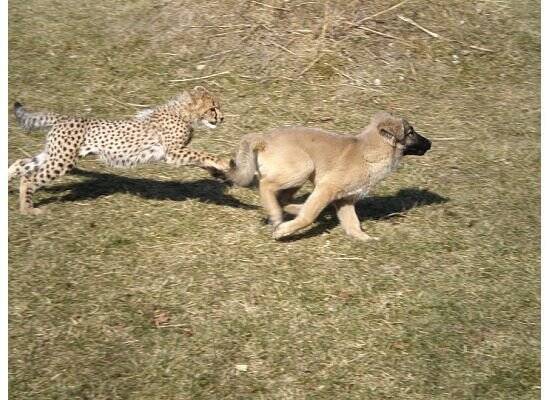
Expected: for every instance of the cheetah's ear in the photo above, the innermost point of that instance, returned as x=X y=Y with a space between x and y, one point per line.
x=200 y=90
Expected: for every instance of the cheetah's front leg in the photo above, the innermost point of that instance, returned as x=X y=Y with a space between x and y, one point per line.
x=186 y=156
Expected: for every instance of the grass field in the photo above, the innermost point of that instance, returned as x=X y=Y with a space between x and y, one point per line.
x=163 y=283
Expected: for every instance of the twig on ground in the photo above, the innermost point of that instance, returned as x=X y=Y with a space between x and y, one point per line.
x=481 y=48
x=227 y=33
x=301 y=31
x=341 y=73
x=449 y=139
x=218 y=26
x=413 y=70
x=218 y=54
x=380 y=12
x=438 y=36
x=365 y=88
x=199 y=77
x=239 y=128
x=224 y=141
x=280 y=281
x=393 y=215
x=163 y=326
x=303 y=4
x=129 y=104
x=410 y=21
x=364 y=28
x=320 y=42
x=283 y=48
x=269 y=6
x=269 y=110
x=254 y=78
x=325 y=25
x=311 y=64
x=24 y=152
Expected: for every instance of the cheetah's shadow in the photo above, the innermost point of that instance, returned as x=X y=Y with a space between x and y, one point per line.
x=101 y=184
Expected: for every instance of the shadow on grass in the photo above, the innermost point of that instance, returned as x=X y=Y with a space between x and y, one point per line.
x=391 y=207
x=104 y=184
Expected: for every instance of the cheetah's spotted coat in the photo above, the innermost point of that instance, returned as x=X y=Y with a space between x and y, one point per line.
x=157 y=134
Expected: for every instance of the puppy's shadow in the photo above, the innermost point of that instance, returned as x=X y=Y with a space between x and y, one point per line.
x=391 y=207
x=101 y=184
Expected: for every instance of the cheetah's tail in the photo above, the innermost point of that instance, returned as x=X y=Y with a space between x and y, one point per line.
x=244 y=166
x=33 y=120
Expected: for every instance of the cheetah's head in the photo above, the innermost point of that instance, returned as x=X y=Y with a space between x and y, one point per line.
x=207 y=106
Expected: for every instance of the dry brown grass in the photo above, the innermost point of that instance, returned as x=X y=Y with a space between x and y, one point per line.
x=158 y=282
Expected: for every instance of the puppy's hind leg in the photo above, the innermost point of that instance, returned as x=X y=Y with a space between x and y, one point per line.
x=345 y=210
x=315 y=203
x=285 y=197
x=268 y=197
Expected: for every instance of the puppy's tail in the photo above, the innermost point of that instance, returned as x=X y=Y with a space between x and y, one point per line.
x=244 y=166
x=33 y=120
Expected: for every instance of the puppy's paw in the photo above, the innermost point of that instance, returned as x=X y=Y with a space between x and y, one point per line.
x=278 y=235
x=282 y=230
x=362 y=236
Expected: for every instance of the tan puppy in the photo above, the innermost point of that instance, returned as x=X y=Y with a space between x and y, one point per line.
x=343 y=168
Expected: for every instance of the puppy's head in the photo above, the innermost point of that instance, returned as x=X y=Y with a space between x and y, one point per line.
x=401 y=134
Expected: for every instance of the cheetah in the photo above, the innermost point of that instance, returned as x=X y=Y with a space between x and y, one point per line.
x=161 y=133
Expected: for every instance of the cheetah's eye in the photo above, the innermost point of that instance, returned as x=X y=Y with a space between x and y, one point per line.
x=213 y=109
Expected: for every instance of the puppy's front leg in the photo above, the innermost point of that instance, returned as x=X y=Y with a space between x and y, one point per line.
x=310 y=210
x=293 y=209
x=345 y=210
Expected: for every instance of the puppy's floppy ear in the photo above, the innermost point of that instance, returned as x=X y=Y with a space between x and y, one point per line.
x=389 y=126
x=406 y=125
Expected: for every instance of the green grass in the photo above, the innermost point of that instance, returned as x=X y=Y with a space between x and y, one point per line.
x=445 y=306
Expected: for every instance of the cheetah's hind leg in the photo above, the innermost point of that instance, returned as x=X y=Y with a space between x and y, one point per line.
x=46 y=173
x=16 y=169
x=26 y=190
x=26 y=166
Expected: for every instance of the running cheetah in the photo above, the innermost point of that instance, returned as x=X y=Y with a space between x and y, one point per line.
x=155 y=134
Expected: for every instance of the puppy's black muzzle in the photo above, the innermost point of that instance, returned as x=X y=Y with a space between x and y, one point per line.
x=418 y=147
